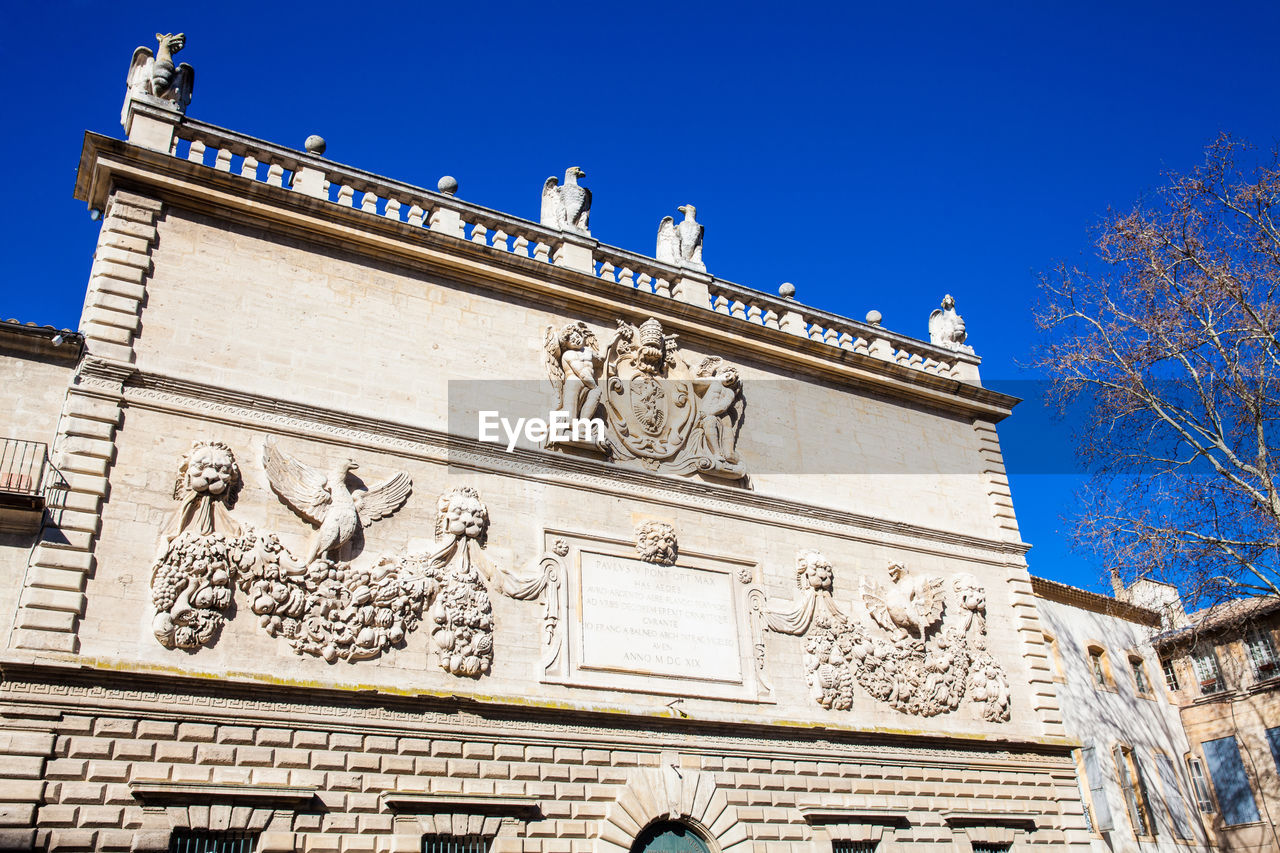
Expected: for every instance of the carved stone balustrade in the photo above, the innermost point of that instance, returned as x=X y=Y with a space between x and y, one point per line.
x=369 y=194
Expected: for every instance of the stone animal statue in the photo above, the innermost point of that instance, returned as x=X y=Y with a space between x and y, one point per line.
x=325 y=501
x=908 y=608
x=568 y=206
x=156 y=75
x=946 y=327
x=681 y=245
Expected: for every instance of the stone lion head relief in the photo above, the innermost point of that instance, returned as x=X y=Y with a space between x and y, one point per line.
x=656 y=543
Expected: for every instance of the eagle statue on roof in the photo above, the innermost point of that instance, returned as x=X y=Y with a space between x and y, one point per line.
x=568 y=206
x=155 y=74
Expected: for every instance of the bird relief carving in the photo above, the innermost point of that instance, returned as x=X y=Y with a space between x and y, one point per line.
x=681 y=245
x=155 y=76
x=946 y=327
x=567 y=206
x=658 y=410
x=321 y=605
x=917 y=655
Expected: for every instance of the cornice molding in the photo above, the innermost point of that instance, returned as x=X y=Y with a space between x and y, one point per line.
x=107 y=163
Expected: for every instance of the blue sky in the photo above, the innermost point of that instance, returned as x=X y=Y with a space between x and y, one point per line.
x=876 y=155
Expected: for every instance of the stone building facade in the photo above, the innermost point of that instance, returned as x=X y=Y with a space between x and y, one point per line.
x=1133 y=760
x=1222 y=668
x=295 y=593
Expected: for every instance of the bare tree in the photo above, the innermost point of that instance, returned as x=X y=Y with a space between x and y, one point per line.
x=1169 y=347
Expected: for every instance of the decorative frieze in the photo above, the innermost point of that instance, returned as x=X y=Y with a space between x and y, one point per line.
x=923 y=660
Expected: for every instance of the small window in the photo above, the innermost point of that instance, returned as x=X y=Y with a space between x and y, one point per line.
x=853 y=846
x=1135 y=792
x=1170 y=674
x=1208 y=674
x=1204 y=799
x=1140 y=680
x=455 y=844
x=1262 y=654
x=1098 y=668
x=212 y=841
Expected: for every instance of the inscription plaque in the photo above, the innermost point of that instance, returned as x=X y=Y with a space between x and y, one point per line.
x=672 y=621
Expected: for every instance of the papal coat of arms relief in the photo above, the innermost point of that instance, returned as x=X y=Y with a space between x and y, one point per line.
x=658 y=409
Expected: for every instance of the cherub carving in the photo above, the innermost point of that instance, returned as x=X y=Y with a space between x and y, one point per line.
x=656 y=543
x=681 y=245
x=325 y=501
x=722 y=409
x=156 y=75
x=572 y=361
x=946 y=327
x=566 y=207
x=904 y=609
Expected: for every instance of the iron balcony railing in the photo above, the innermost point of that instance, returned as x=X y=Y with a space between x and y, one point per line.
x=23 y=467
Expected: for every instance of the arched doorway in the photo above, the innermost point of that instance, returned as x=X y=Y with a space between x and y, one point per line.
x=669 y=836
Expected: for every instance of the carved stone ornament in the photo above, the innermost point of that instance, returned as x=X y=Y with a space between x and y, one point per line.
x=319 y=605
x=658 y=409
x=566 y=207
x=914 y=657
x=681 y=245
x=200 y=550
x=155 y=76
x=656 y=543
x=946 y=327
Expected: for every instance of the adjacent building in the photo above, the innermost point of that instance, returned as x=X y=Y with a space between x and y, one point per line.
x=1221 y=666
x=325 y=572
x=1135 y=764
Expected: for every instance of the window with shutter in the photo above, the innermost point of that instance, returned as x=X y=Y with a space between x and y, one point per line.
x=1097 y=792
x=1173 y=798
x=1273 y=741
x=1132 y=788
x=1235 y=797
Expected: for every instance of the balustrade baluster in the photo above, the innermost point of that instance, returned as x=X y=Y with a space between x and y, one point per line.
x=645 y=282
x=392 y=210
x=771 y=319
x=249 y=168
x=520 y=246
x=479 y=234
x=542 y=252
x=196 y=152
x=815 y=333
x=662 y=288
x=755 y=315
x=416 y=214
x=347 y=196
x=369 y=202
x=626 y=277
x=606 y=271
x=720 y=304
x=739 y=310
x=222 y=162
x=499 y=240
x=275 y=175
